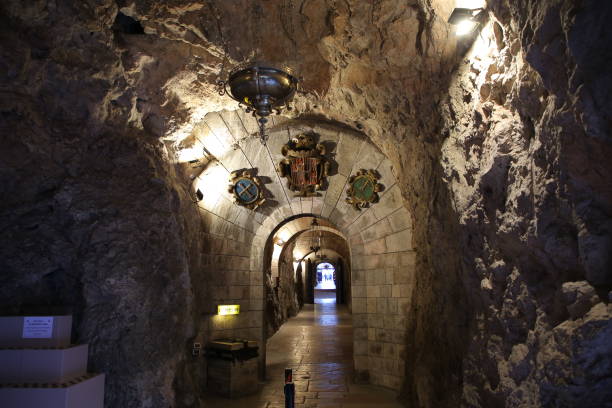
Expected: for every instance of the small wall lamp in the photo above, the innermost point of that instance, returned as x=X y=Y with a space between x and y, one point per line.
x=465 y=19
x=224 y=310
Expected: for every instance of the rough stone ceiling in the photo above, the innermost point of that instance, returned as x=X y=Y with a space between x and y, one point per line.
x=350 y=56
x=346 y=53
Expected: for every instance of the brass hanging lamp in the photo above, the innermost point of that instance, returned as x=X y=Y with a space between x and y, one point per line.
x=262 y=90
x=315 y=237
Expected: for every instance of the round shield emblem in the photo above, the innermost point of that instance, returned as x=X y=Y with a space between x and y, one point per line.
x=363 y=189
x=246 y=191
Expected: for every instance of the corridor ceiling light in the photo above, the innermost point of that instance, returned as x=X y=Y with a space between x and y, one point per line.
x=262 y=89
x=224 y=310
x=465 y=20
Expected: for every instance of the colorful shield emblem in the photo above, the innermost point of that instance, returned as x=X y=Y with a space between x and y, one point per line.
x=305 y=171
x=247 y=189
x=305 y=165
x=363 y=189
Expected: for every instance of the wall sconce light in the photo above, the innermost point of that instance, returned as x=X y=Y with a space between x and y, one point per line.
x=279 y=241
x=465 y=20
x=224 y=310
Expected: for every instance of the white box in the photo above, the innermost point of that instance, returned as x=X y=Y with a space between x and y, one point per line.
x=88 y=393
x=42 y=365
x=12 y=332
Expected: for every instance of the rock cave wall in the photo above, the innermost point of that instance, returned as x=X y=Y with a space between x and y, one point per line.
x=287 y=290
x=112 y=241
x=94 y=218
x=524 y=139
x=501 y=157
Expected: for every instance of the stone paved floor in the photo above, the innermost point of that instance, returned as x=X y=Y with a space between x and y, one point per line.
x=318 y=345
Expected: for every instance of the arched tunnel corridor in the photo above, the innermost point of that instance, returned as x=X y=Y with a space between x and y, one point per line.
x=375 y=243
x=163 y=230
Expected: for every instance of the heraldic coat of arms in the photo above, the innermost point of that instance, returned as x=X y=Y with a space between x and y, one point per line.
x=304 y=166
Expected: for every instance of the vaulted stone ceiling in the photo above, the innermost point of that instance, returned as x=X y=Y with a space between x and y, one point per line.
x=348 y=152
x=303 y=223
x=333 y=246
x=301 y=233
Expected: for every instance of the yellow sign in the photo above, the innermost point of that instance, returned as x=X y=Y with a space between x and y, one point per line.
x=228 y=310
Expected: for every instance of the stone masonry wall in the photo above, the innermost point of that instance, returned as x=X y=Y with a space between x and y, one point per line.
x=383 y=263
x=382 y=255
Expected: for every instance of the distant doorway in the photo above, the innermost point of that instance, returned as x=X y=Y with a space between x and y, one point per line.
x=326 y=277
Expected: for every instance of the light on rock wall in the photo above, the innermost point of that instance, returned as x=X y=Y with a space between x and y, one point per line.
x=187 y=155
x=213 y=184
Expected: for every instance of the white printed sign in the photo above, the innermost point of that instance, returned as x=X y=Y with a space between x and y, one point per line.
x=37 y=327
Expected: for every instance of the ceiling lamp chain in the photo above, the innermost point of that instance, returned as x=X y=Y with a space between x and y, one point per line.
x=287 y=13
x=224 y=44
